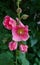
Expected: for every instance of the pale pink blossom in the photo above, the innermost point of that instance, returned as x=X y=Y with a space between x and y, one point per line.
x=23 y=48
x=12 y=45
x=20 y=33
x=9 y=22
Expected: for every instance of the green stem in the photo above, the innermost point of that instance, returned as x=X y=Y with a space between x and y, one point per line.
x=18 y=2
x=18 y=15
x=16 y=57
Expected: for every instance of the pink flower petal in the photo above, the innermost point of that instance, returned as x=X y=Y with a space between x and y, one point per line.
x=23 y=48
x=20 y=33
x=15 y=36
x=12 y=45
x=20 y=23
x=9 y=22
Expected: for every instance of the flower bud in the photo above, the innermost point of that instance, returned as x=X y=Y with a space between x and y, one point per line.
x=24 y=16
x=19 y=10
x=19 y=0
x=23 y=48
x=12 y=45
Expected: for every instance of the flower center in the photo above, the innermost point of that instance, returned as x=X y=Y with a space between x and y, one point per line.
x=20 y=31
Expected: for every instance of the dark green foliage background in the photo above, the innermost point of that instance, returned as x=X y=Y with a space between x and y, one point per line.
x=32 y=8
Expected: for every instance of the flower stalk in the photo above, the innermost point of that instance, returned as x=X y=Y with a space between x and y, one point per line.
x=18 y=8
x=18 y=13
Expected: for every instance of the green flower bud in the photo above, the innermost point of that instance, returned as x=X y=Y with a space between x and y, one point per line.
x=19 y=0
x=24 y=16
x=19 y=10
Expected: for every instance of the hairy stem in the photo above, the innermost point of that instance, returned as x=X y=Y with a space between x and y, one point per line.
x=18 y=3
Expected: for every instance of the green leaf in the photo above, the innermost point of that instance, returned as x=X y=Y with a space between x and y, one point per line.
x=6 y=58
x=23 y=59
x=33 y=41
x=35 y=64
x=38 y=53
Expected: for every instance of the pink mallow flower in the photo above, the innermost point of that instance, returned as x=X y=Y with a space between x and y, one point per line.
x=20 y=33
x=9 y=22
x=23 y=48
x=12 y=45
